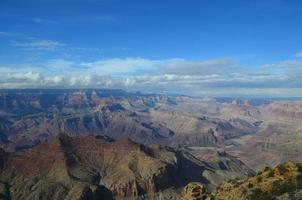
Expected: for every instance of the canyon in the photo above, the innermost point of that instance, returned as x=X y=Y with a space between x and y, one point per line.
x=87 y=143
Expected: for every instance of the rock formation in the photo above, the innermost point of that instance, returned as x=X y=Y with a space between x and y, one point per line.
x=97 y=167
x=282 y=182
x=195 y=191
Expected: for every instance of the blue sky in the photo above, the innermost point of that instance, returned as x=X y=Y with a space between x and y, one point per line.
x=194 y=47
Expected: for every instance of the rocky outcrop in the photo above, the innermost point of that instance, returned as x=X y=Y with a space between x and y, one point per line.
x=195 y=191
x=279 y=183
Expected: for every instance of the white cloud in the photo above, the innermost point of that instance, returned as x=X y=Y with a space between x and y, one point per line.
x=40 y=20
x=120 y=66
x=39 y=45
x=216 y=66
x=291 y=68
x=130 y=82
x=54 y=80
x=5 y=34
x=298 y=55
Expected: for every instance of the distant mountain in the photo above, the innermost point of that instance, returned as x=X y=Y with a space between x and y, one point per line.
x=259 y=132
x=30 y=117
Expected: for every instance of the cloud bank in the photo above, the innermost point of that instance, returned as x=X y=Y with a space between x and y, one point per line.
x=217 y=77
